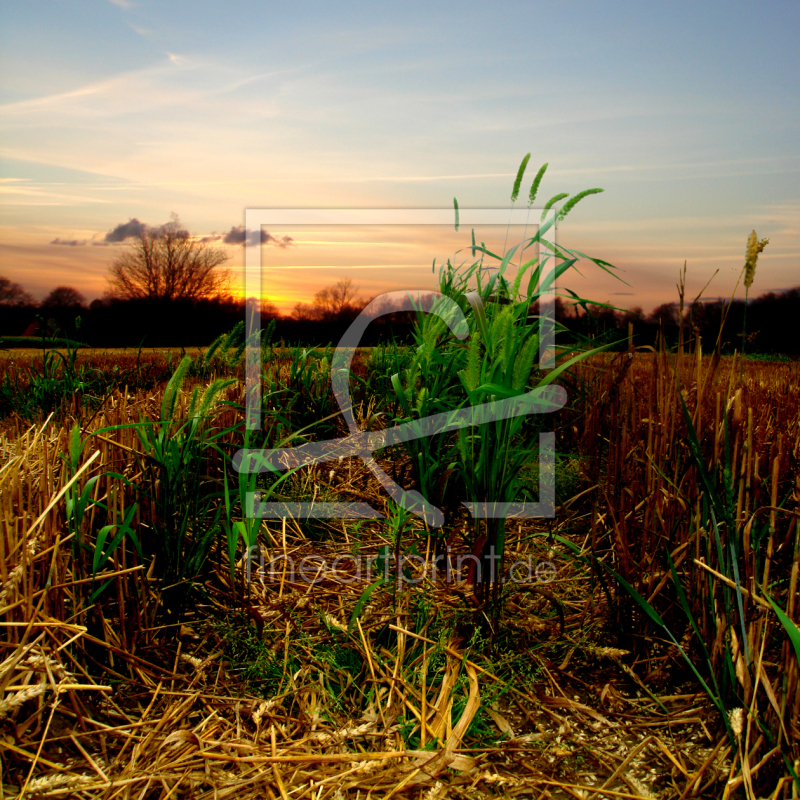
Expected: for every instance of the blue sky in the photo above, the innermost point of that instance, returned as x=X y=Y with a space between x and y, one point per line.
x=686 y=114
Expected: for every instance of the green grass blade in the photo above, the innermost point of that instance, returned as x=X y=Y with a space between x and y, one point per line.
x=791 y=629
x=739 y=602
x=697 y=456
x=655 y=617
x=686 y=610
x=363 y=600
x=101 y=558
x=646 y=607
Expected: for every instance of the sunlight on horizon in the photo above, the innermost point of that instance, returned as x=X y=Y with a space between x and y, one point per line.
x=124 y=112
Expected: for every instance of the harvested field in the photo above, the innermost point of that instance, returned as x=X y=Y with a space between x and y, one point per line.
x=314 y=679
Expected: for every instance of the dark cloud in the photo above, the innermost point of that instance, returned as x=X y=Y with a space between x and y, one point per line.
x=133 y=228
x=173 y=226
x=69 y=242
x=236 y=235
x=126 y=230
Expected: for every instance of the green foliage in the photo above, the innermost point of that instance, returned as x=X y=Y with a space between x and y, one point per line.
x=60 y=385
x=569 y=480
x=792 y=631
x=226 y=350
x=252 y=657
x=184 y=501
x=47 y=389
x=486 y=462
x=298 y=388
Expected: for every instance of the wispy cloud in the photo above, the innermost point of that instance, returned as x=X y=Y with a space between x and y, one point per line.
x=69 y=242
x=47 y=198
x=238 y=235
x=144 y=32
x=149 y=86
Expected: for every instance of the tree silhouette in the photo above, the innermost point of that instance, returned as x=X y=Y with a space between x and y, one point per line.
x=167 y=263
x=12 y=294
x=331 y=304
x=666 y=314
x=64 y=297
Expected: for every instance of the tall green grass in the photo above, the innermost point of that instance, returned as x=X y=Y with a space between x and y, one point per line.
x=484 y=464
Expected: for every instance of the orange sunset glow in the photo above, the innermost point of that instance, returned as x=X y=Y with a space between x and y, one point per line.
x=137 y=112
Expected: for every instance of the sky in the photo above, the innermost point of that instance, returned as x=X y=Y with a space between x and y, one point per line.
x=686 y=114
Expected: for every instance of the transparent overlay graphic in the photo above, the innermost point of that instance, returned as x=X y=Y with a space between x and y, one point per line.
x=364 y=444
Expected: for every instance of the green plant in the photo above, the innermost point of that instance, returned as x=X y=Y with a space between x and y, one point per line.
x=430 y=387
x=507 y=327
x=184 y=501
x=59 y=378
x=298 y=388
x=340 y=669
x=79 y=501
x=252 y=657
x=258 y=482
x=225 y=352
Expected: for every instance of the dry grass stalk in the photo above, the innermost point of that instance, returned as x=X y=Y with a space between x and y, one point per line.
x=181 y=723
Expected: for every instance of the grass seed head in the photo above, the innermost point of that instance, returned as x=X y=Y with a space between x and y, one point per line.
x=518 y=181
x=737 y=721
x=573 y=201
x=754 y=247
x=535 y=185
x=551 y=202
x=751 y=256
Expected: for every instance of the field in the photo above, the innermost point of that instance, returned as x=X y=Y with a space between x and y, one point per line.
x=645 y=645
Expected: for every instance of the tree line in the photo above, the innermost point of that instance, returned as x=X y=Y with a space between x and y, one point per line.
x=769 y=325
x=185 y=322
x=170 y=288
x=771 y=321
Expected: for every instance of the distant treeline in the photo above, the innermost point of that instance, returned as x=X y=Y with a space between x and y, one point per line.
x=772 y=325
x=129 y=323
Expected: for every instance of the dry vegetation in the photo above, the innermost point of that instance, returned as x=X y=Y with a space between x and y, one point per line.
x=288 y=687
x=150 y=653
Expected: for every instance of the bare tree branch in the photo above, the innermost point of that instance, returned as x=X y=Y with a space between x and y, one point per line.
x=167 y=263
x=12 y=294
